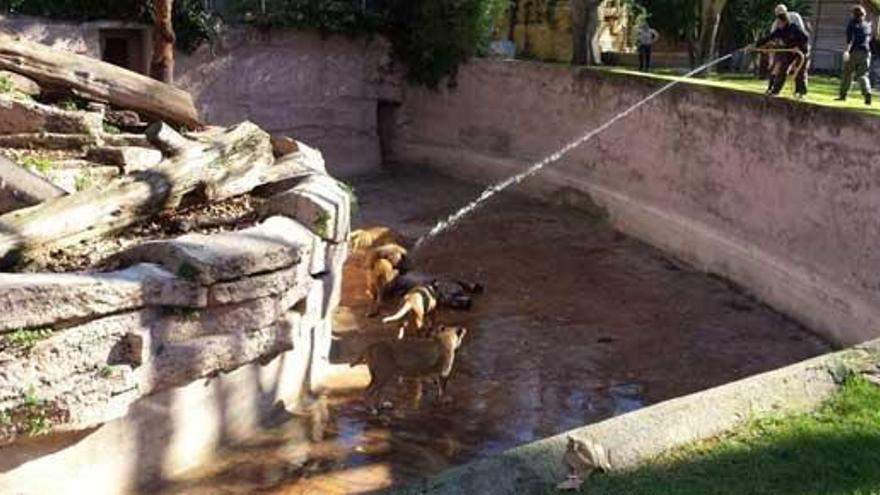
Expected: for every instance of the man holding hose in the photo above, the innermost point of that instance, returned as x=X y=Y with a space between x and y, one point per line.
x=792 y=37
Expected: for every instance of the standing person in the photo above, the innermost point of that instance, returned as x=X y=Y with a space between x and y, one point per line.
x=791 y=36
x=803 y=69
x=857 y=55
x=647 y=36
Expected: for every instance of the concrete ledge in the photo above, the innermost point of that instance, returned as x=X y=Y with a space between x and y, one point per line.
x=637 y=436
x=25 y=115
x=276 y=243
x=163 y=434
x=37 y=299
x=319 y=203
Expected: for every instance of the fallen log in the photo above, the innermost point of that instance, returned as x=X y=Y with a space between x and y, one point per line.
x=95 y=79
x=214 y=165
x=20 y=188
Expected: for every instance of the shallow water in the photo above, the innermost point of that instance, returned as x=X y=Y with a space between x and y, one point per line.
x=578 y=323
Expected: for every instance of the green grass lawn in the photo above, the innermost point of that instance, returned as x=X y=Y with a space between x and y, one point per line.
x=822 y=89
x=833 y=451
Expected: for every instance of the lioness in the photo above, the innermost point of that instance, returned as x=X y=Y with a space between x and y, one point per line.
x=395 y=253
x=451 y=293
x=379 y=275
x=430 y=358
x=368 y=237
x=419 y=303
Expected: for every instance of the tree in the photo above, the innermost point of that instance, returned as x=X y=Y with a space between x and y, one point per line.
x=584 y=25
x=162 y=66
x=676 y=20
x=710 y=20
x=754 y=17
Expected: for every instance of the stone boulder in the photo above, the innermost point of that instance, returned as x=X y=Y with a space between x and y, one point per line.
x=276 y=243
x=319 y=202
x=20 y=84
x=129 y=158
x=18 y=116
x=45 y=299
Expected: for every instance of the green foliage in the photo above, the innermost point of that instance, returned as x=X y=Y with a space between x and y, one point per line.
x=6 y=85
x=26 y=338
x=322 y=223
x=194 y=25
x=37 y=163
x=430 y=37
x=433 y=37
x=110 y=128
x=352 y=196
x=186 y=313
x=34 y=411
x=677 y=20
x=105 y=372
x=344 y=17
x=79 y=10
x=754 y=17
x=187 y=271
x=83 y=180
x=70 y=103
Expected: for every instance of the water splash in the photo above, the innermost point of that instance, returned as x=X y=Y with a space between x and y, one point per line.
x=456 y=217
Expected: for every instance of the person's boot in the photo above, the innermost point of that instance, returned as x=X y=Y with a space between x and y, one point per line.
x=868 y=99
x=840 y=98
x=770 y=83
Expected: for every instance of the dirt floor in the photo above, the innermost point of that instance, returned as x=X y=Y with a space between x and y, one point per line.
x=577 y=323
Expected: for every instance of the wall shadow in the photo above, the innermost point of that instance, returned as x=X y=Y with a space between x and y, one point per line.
x=807 y=463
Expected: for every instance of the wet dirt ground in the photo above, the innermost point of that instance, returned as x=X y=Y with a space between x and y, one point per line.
x=577 y=323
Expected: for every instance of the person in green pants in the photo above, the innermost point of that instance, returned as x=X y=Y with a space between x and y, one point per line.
x=857 y=55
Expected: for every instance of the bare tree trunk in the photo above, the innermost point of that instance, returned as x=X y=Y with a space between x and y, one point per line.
x=94 y=79
x=20 y=188
x=710 y=21
x=162 y=66
x=584 y=28
x=594 y=56
x=512 y=19
x=579 y=48
x=219 y=164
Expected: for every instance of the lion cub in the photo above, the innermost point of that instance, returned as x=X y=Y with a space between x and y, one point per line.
x=430 y=358
x=368 y=237
x=379 y=275
x=419 y=303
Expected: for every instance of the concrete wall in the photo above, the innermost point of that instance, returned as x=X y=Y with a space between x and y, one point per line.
x=325 y=92
x=321 y=91
x=139 y=374
x=778 y=196
x=84 y=38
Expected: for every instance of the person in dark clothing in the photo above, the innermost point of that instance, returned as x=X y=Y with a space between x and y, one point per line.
x=647 y=36
x=857 y=55
x=791 y=36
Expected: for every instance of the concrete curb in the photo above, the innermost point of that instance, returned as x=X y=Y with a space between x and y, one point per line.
x=635 y=437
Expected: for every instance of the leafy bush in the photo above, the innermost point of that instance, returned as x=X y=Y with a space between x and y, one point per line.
x=754 y=17
x=430 y=37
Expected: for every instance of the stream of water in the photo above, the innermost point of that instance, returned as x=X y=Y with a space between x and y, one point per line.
x=494 y=189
